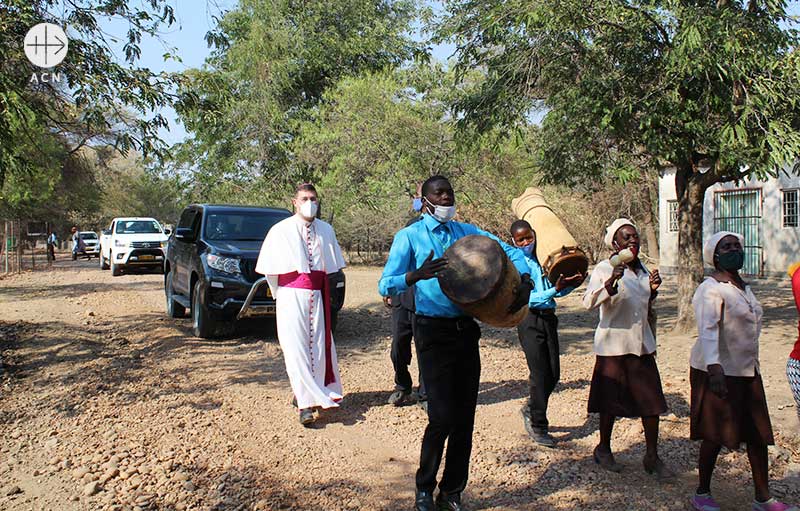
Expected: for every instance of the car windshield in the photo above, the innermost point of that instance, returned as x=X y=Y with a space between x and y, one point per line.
x=243 y=226
x=88 y=236
x=138 y=227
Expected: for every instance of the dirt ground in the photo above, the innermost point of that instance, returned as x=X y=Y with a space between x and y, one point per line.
x=108 y=404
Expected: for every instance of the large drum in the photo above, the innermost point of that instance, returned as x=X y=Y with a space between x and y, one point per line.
x=556 y=249
x=480 y=278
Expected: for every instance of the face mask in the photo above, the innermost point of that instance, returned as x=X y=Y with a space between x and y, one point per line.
x=417 y=204
x=443 y=213
x=528 y=249
x=731 y=261
x=308 y=209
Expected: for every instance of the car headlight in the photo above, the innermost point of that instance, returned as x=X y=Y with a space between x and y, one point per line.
x=120 y=243
x=224 y=264
x=163 y=244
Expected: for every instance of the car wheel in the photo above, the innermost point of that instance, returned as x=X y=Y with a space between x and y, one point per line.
x=174 y=309
x=103 y=261
x=203 y=325
x=116 y=270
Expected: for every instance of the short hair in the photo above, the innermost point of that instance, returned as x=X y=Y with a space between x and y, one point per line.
x=518 y=225
x=426 y=186
x=305 y=187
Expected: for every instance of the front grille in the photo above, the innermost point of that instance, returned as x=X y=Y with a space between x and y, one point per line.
x=145 y=244
x=146 y=251
x=248 y=267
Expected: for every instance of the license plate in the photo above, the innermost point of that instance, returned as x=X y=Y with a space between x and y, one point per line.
x=147 y=257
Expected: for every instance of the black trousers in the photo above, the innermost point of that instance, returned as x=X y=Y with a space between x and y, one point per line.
x=451 y=365
x=402 y=333
x=538 y=335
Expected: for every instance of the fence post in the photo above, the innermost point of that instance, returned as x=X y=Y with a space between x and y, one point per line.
x=5 y=243
x=19 y=246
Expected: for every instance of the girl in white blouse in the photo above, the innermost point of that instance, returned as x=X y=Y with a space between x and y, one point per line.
x=625 y=382
x=728 y=402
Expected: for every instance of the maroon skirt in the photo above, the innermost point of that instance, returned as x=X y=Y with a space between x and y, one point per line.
x=626 y=386
x=742 y=417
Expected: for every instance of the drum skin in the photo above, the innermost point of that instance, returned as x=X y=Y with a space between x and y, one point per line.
x=480 y=279
x=556 y=249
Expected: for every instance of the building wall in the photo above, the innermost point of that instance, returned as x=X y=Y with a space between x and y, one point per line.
x=781 y=244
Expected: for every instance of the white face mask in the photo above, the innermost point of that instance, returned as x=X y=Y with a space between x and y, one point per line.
x=443 y=213
x=308 y=209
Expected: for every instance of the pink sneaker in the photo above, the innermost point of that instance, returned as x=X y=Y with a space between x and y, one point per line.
x=704 y=502
x=772 y=505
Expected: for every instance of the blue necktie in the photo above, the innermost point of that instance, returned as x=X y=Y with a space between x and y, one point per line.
x=442 y=233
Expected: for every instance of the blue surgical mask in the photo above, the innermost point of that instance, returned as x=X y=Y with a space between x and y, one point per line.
x=417 y=204
x=527 y=249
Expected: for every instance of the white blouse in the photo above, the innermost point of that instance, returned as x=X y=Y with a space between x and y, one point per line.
x=623 y=328
x=728 y=327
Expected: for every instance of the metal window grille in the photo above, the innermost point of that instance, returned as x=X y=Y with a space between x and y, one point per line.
x=740 y=211
x=673 y=215
x=790 y=208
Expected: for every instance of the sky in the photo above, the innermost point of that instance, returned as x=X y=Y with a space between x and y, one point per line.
x=194 y=18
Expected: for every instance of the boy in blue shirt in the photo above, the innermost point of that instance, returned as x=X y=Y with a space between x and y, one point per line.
x=538 y=335
x=447 y=340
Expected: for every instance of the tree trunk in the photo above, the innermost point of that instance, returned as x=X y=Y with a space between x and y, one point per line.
x=650 y=220
x=691 y=188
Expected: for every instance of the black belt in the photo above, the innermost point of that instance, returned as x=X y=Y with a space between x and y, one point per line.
x=543 y=312
x=459 y=323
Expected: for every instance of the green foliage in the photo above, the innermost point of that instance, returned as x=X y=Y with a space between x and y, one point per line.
x=86 y=106
x=130 y=186
x=376 y=136
x=273 y=61
x=636 y=84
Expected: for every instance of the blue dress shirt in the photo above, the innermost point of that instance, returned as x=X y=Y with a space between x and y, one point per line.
x=543 y=293
x=413 y=244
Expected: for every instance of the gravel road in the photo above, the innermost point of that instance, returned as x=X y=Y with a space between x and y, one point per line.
x=105 y=403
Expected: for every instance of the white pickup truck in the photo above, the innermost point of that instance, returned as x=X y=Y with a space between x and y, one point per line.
x=133 y=242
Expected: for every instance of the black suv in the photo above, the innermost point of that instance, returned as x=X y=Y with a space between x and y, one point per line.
x=210 y=267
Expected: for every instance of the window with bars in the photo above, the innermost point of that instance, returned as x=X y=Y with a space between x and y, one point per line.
x=672 y=208
x=790 y=208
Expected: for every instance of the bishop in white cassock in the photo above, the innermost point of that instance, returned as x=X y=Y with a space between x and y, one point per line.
x=297 y=255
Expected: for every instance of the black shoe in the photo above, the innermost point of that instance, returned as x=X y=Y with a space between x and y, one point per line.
x=307 y=417
x=400 y=397
x=448 y=502
x=424 y=501
x=543 y=438
x=539 y=435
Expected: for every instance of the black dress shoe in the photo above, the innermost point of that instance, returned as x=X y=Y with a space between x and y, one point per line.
x=540 y=436
x=401 y=397
x=424 y=501
x=448 y=502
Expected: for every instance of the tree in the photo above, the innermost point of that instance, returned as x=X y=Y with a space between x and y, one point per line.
x=91 y=104
x=711 y=88
x=272 y=63
x=375 y=136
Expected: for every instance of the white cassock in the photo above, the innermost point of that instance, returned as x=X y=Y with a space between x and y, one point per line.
x=292 y=250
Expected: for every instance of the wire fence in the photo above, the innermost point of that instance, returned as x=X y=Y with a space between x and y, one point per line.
x=24 y=246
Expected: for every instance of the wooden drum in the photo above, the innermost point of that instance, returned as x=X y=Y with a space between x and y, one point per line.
x=556 y=249
x=480 y=279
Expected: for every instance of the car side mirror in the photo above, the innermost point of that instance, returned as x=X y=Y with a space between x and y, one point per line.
x=168 y=231
x=106 y=232
x=184 y=234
